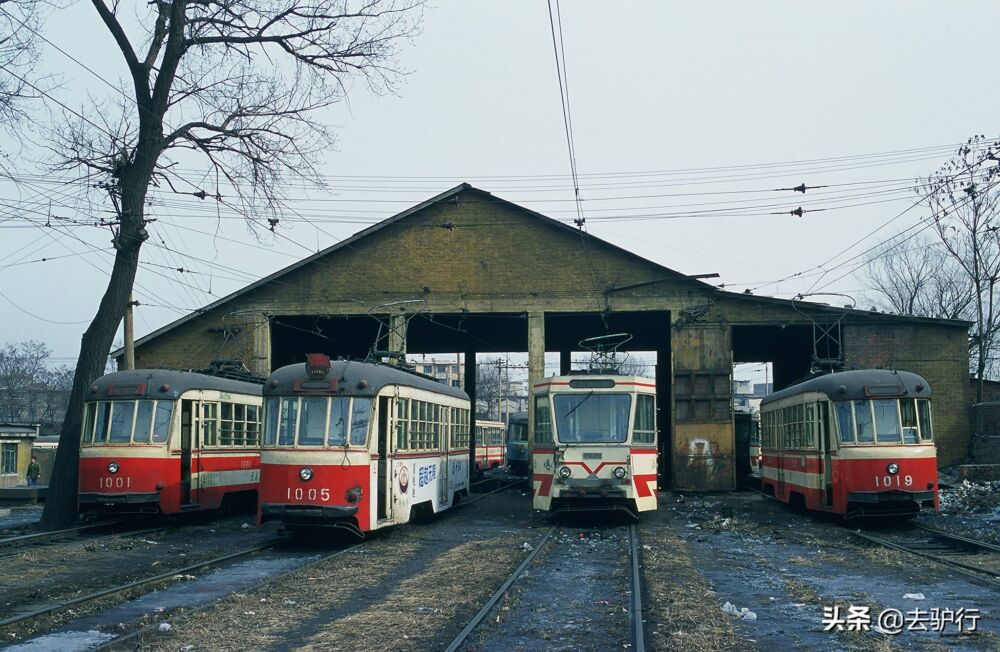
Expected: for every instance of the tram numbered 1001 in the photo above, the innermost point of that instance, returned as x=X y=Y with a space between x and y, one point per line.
x=594 y=444
x=360 y=446
x=851 y=443
x=163 y=441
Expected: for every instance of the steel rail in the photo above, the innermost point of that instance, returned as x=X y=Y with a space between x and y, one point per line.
x=488 y=607
x=17 y=551
x=124 y=638
x=25 y=538
x=638 y=634
x=975 y=572
x=957 y=537
x=137 y=583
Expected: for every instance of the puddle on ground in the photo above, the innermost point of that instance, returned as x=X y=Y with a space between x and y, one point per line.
x=20 y=518
x=81 y=634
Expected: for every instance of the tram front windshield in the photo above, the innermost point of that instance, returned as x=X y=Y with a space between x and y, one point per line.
x=592 y=418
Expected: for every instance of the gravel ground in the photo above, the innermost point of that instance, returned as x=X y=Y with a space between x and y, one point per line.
x=787 y=566
x=411 y=588
x=47 y=575
x=574 y=596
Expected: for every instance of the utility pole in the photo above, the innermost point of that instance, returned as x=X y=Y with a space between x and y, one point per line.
x=499 y=388
x=129 y=335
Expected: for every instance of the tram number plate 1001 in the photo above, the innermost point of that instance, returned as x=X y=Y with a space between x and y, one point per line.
x=115 y=482
x=887 y=481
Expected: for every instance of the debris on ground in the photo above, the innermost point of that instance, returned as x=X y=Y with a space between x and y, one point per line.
x=165 y=627
x=913 y=596
x=743 y=613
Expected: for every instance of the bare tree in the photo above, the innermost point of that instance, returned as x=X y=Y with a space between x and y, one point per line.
x=233 y=85
x=489 y=385
x=19 y=50
x=964 y=202
x=30 y=392
x=634 y=367
x=917 y=276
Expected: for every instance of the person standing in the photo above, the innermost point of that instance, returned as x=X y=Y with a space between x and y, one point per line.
x=33 y=472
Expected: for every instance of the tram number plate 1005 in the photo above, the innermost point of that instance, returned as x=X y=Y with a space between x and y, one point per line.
x=308 y=494
x=887 y=481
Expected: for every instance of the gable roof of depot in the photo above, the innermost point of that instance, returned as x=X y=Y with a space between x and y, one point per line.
x=670 y=274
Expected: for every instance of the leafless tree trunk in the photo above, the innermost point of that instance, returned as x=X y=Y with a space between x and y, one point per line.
x=236 y=84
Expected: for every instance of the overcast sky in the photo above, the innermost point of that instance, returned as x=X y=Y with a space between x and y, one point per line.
x=679 y=110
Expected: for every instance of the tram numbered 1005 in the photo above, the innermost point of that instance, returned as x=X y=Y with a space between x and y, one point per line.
x=851 y=443
x=157 y=440
x=360 y=446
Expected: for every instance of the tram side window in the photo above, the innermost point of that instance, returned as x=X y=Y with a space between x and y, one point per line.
x=361 y=409
x=312 y=421
x=402 y=422
x=161 y=421
x=845 y=421
x=210 y=424
x=289 y=411
x=225 y=425
x=810 y=425
x=886 y=420
x=864 y=421
x=645 y=420
x=543 y=422
x=437 y=416
x=239 y=424
x=479 y=436
x=253 y=425
x=924 y=414
x=460 y=428
x=121 y=421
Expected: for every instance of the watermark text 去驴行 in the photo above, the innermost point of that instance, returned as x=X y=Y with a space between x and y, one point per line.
x=860 y=618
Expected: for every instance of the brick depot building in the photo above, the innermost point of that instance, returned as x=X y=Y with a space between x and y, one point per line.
x=467 y=272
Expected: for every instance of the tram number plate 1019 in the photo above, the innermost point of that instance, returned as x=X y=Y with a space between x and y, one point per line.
x=308 y=494
x=887 y=481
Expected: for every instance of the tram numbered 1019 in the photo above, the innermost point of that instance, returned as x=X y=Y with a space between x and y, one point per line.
x=851 y=443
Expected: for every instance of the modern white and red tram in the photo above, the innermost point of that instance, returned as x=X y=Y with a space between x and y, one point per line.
x=360 y=446
x=594 y=443
x=491 y=444
x=157 y=440
x=851 y=443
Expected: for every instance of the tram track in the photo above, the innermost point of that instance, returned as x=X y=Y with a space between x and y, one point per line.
x=136 y=584
x=942 y=547
x=490 y=607
x=19 y=545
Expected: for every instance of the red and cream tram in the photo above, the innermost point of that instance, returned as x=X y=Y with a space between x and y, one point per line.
x=594 y=444
x=156 y=440
x=360 y=446
x=491 y=445
x=852 y=443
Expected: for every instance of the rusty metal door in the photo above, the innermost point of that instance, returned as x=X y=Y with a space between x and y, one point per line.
x=704 y=437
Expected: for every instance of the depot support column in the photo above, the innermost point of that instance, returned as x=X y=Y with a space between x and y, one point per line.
x=536 y=364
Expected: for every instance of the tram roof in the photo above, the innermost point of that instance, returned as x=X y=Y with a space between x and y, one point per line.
x=859 y=384
x=153 y=379
x=587 y=381
x=349 y=373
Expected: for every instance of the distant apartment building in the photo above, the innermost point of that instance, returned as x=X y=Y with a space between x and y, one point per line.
x=448 y=372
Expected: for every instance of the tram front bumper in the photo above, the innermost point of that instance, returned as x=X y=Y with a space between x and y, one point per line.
x=94 y=498
x=310 y=513
x=889 y=497
x=590 y=488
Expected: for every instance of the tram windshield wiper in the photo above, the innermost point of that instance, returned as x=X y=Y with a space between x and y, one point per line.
x=577 y=406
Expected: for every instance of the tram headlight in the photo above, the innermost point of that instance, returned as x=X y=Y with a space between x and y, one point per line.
x=113 y=467
x=354 y=494
x=893 y=468
x=564 y=471
x=619 y=472
x=306 y=473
